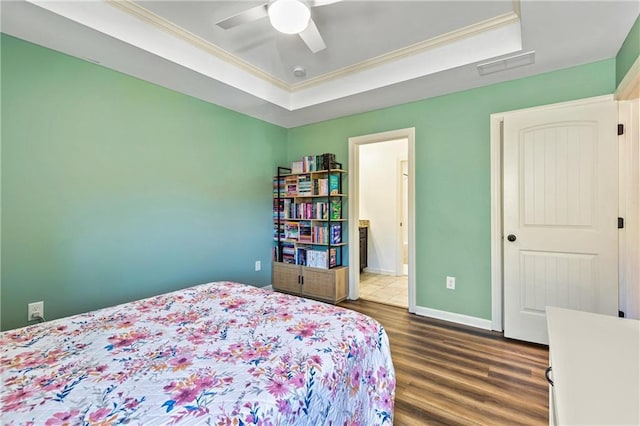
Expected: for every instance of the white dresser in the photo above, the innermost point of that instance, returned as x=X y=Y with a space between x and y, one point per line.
x=595 y=362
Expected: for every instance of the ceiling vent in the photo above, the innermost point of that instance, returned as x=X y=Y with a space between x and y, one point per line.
x=503 y=64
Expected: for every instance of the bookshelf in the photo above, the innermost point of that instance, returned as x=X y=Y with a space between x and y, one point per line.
x=309 y=225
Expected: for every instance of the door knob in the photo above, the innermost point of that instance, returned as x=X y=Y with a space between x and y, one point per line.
x=511 y=237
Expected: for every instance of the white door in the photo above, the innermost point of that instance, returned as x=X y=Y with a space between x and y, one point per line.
x=560 y=236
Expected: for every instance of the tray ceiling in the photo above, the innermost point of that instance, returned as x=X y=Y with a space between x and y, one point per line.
x=379 y=53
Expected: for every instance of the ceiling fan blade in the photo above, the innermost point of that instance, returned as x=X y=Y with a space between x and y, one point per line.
x=311 y=36
x=316 y=3
x=248 y=15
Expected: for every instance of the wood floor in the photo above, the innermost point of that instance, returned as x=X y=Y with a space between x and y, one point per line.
x=450 y=374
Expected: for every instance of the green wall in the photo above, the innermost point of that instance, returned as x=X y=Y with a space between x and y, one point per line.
x=115 y=189
x=629 y=52
x=453 y=173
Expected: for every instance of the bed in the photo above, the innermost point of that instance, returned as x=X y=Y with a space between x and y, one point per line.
x=220 y=353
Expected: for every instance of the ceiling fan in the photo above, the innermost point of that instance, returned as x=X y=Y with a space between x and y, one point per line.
x=286 y=16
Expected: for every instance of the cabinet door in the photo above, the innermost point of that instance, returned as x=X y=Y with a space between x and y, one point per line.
x=363 y=248
x=318 y=283
x=286 y=277
x=325 y=284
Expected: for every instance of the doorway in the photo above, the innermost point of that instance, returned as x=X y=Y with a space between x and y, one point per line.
x=381 y=178
x=382 y=278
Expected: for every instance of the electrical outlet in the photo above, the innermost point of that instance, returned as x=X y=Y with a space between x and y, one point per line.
x=258 y=265
x=35 y=311
x=451 y=283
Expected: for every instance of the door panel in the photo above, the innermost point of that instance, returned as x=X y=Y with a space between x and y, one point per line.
x=557 y=279
x=558 y=162
x=560 y=180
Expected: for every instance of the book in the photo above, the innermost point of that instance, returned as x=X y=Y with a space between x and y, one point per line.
x=278 y=235
x=304 y=232
x=317 y=258
x=320 y=233
x=297 y=167
x=309 y=164
x=291 y=185
x=286 y=209
x=333 y=257
x=334 y=184
x=336 y=233
x=322 y=210
x=278 y=209
x=288 y=253
x=291 y=231
x=304 y=185
x=336 y=209
x=325 y=161
x=322 y=186
x=278 y=187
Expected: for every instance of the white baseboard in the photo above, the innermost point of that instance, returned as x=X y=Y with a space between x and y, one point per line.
x=267 y=287
x=453 y=317
x=380 y=271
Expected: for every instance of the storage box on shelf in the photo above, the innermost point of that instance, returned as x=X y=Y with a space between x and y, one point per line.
x=309 y=225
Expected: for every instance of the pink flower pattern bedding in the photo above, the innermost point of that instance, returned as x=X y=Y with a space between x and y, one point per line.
x=220 y=353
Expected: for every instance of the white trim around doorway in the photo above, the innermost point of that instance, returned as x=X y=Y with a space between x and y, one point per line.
x=354 y=197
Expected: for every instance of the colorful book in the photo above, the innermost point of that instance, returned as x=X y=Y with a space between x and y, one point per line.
x=288 y=253
x=304 y=185
x=322 y=186
x=291 y=231
x=291 y=185
x=304 y=233
x=317 y=258
x=278 y=236
x=333 y=258
x=336 y=209
x=278 y=187
x=296 y=167
x=301 y=256
x=336 y=233
x=334 y=184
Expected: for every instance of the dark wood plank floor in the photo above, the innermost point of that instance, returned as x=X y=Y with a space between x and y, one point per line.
x=450 y=374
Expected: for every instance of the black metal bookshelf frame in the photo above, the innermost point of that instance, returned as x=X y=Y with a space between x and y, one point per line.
x=279 y=198
x=282 y=173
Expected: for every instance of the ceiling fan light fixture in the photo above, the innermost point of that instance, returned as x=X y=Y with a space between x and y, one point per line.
x=289 y=16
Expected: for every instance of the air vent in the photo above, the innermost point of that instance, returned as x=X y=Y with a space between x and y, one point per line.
x=503 y=64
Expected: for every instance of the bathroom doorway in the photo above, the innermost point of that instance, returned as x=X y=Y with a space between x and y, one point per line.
x=381 y=201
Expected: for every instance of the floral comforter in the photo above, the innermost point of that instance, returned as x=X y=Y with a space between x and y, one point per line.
x=220 y=353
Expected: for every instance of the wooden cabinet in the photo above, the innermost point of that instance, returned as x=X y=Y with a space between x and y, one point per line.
x=363 y=247
x=328 y=285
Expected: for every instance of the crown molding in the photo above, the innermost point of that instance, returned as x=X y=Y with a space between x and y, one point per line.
x=128 y=6
x=414 y=49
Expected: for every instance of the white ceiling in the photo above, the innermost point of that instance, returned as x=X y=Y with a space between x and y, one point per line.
x=379 y=53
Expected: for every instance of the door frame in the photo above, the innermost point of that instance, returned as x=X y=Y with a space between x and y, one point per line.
x=402 y=223
x=496 y=123
x=354 y=207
